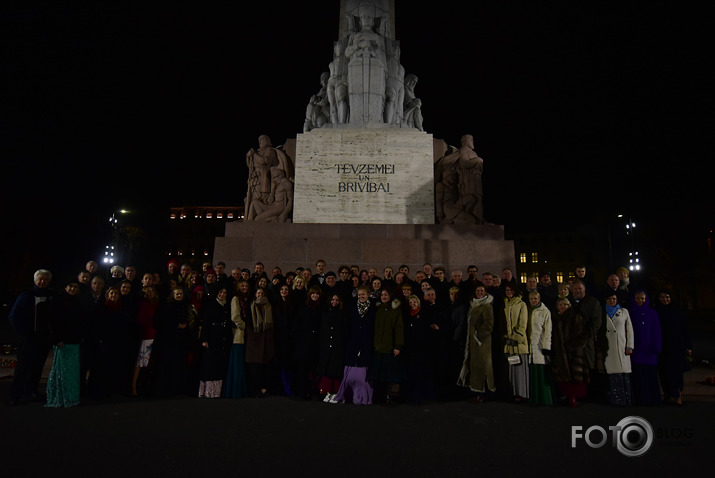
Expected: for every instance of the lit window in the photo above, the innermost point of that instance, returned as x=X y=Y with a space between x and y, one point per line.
x=522 y=257
x=229 y=215
x=534 y=257
x=523 y=276
x=559 y=277
x=173 y=216
x=208 y=215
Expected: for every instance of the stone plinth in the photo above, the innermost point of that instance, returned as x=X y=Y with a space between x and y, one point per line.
x=367 y=245
x=364 y=176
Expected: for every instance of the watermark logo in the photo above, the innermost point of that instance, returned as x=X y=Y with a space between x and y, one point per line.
x=632 y=436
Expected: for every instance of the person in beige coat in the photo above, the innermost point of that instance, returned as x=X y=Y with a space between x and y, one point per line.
x=240 y=312
x=516 y=343
x=617 y=360
x=477 y=372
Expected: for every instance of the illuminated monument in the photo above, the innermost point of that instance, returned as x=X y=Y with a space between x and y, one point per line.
x=364 y=183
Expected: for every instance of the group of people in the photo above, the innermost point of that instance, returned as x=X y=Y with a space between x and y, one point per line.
x=354 y=336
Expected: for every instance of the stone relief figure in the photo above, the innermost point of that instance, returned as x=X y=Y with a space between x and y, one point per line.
x=338 y=85
x=367 y=67
x=395 y=90
x=269 y=197
x=318 y=111
x=458 y=185
x=412 y=110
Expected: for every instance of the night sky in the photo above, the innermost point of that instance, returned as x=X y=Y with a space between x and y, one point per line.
x=581 y=110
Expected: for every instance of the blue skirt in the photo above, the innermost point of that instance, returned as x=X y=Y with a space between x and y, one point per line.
x=63 y=382
x=235 y=384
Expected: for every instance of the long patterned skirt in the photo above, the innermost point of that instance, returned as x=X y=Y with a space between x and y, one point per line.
x=619 y=389
x=63 y=382
x=236 y=378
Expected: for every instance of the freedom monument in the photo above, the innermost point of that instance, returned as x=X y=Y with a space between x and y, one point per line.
x=364 y=183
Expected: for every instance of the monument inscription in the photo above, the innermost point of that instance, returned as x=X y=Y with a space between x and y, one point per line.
x=364 y=176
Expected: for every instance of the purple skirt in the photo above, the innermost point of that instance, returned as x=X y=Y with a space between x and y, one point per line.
x=354 y=387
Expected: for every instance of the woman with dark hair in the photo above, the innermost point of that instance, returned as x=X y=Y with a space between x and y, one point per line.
x=540 y=326
x=358 y=351
x=175 y=326
x=375 y=290
x=419 y=354
x=331 y=358
x=112 y=335
x=240 y=313
x=676 y=348
x=65 y=334
x=386 y=369
x=647 y=346
x=569 y=366
x=216 y=336
x=617 y=361
x=284 y=311
x=146 y=318
x=516 y=342
x=306 y=329
x=260 y=344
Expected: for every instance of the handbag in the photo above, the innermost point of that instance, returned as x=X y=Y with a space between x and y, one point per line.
x=513 y=359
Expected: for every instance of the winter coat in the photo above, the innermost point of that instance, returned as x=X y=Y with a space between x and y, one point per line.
x=477 y=366
x=517 y=320
x=619 y=333
x=540 y=333
x=647 y=339
x=389 y=328
x=240 y=310
x=331 y=358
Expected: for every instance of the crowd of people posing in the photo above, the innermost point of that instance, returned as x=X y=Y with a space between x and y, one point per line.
x=354 y=336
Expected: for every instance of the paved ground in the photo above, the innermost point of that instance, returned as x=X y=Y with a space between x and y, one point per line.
x=277 y=436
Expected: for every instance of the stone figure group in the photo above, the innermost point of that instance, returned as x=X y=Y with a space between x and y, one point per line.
x=366 y=82
x=269 y=197
x=458 y=185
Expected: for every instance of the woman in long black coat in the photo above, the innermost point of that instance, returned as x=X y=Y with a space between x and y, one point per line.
x=331 y=358
x=216 y=338
x=673 y=361
x=306 y=327
x=170 y=352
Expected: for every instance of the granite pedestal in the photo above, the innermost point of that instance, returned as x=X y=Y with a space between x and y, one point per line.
x=366 y=245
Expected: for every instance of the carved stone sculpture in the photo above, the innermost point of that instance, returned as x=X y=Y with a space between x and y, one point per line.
x=458 y=185
x=413 y=106
x=367 y=69
x=269 y=197
x=318 y=111
x=338 y=85
x=366 y=83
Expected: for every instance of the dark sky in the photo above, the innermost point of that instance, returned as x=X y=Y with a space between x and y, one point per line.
x=579 y=109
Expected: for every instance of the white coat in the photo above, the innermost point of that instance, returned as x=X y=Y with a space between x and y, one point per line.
x=540 y=335
x=619 y=332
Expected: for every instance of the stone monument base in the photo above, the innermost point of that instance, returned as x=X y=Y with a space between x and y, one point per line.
x=367 y=245
x=367 y=175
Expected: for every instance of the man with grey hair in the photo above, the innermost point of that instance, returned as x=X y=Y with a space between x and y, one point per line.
x=30 y=320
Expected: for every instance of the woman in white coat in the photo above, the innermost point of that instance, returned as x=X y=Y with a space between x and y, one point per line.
x=539 y=349
x=617 y=360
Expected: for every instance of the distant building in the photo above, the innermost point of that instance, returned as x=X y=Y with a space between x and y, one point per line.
x=560 y=252
x=192 y=230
